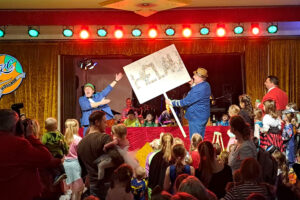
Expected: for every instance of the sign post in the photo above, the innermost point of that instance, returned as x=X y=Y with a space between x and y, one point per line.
x=156 y=74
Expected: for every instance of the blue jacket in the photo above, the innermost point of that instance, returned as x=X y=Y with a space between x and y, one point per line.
x=87 y=110
x=197 y=102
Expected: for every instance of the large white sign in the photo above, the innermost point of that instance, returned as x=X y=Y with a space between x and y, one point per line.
x=157 y=73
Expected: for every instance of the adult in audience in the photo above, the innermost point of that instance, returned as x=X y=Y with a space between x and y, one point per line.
x=197 y=103
x=246 y=109
x=250 y=174
x=90 y=148
x=21 y=154
x=211 y=172
x=92 y=101
x=128 y=107
x=245 y=147
x=274 y=93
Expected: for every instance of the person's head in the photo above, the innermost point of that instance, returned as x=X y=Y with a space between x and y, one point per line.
x=225 y=117
x=256 y=196
x=71 y=129
x=224 y=157
x=218 y=148
x=9 y=119
x=239 y=128
x=89 y=90
x=207 y=157
x=195 y=141
x=119 y=131
x=149 y=117
x=200 y=75
x=166 y=146
x=250 y=170
x=292 y=105
x=178 y=153
x=258 y=114
x=140 y=173
x=131 y=114
x=281 y=161
x=193 y=186
x=183 y=196
x=288 y=117
x=122 y=177
x=98 y=120
x=271 y=81
x=51 y=124
x=155 y=144
x=159 y=194
x=232 y=147
x=128 y=103
x=270 y=108
x=233 y=110
x=36 y=129
x=177 y=140
x=245 y=101
x=178 y=181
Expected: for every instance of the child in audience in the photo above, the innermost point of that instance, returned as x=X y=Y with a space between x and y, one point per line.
x=149 y=121
x=224 y=157
x=139 y=184
x=195 y=141
x=120 y=187
x=224 y=121
x=258 y=116
x=232 y=111
x=288 y=137
x=119 y=133
x=55 y=143
x=155 y=144
x=271 y=127
x=131 y=120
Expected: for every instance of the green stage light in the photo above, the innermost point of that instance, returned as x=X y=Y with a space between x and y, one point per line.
x=272 y=29
x=204 y=31
x=67 y=32
x=238 y=30
x=101 y=32
x=33 y=32
x=136 y=32
x=2 y=33
x=170 y=32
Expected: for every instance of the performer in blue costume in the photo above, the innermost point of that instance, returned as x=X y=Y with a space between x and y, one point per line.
x=197 y=103
x=92 y=101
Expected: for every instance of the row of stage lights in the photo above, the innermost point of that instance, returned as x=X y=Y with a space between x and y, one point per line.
x=153 y=32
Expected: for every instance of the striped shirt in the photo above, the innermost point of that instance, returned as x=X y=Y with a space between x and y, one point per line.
x=242 y=191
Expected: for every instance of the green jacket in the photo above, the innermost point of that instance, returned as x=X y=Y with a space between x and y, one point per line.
x=55 y=143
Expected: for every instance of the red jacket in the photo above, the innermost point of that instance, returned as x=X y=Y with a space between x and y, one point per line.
x=277 y=95
x=19 y=160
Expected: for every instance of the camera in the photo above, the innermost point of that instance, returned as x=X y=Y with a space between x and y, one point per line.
x=16 y=107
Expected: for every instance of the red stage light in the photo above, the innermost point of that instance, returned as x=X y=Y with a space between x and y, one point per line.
x=221 y=31
x=186 y=32
x=118 y=34
x=84 y=34
x=255 y=30
x=152 y=33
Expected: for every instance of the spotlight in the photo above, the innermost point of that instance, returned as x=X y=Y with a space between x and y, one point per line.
x=221 y=31
x=2 y=33
x=84 y=34
x=136 y=32
x=238 y=30
x=170 y=32
x=272 y=29
x=204 y=31
x=67 y=32
x=186 y=32
x=255 y=29
x=33 y=32
x=118 y=33
x=102 y=32
x=87 y=64
x=152 y=33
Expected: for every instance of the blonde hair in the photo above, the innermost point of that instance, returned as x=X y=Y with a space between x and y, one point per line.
x=36 y=129
x=72 y=127
x=140 y=173
x=51 y=124
x=119 y=130
x=258 y=115
x=233 y=110
x=224 y=157
x=166 y=146
x=177 y=140
x=196 y=139
x=270 y=108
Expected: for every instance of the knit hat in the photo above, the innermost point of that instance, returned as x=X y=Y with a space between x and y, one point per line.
x=201 y=72
x=89 y=85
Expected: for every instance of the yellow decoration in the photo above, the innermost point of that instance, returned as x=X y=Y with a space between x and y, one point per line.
x=142 y=153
